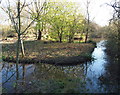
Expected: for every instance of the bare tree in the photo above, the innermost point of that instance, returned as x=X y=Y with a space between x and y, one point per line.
x=116 y=14
x=88 y=20
x=15 y=15
x=38 y=11
x=116 y=18
x=116 y=22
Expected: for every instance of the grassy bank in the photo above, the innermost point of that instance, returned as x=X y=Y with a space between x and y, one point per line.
x=112 y=50
x=49 y=52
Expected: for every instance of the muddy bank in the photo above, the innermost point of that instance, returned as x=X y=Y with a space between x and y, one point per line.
x=55 y=61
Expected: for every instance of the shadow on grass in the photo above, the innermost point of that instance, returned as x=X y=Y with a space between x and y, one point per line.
x=74 y=60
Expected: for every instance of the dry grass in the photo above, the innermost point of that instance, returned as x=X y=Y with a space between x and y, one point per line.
x=42 y=51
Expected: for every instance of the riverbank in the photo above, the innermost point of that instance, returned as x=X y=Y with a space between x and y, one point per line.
x=50 y=52
x=113 y=68
x=87 y=78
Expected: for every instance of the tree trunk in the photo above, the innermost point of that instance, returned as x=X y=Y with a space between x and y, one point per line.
x=60 y=39
x=18 y=42
x=86 y=36
x=70 y=39
x=81 y=36
x=17 y=57
x=39 y=35
x=22 y=48
x=23 y=74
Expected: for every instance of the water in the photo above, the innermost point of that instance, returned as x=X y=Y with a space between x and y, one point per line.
x=45 y=78
x=97 y=68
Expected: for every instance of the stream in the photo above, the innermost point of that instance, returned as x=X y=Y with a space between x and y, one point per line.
x=46 y=78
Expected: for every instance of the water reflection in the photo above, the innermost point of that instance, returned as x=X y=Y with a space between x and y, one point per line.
x=100 y=58
x=46 y=78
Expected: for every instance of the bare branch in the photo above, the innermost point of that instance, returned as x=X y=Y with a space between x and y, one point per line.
x=32 y=12
x=28 y=26
x=8 y=11
x=23 y=6
x=0 y=1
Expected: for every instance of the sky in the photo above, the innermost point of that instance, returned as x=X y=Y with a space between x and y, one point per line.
x=100 y=13
x=98 y=10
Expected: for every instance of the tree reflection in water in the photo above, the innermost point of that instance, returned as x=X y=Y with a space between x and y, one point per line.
x=46 y=78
